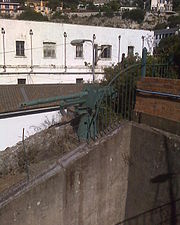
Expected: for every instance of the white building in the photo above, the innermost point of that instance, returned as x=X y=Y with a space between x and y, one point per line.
x=45 y=50
x=161 y=5
x=127 y=8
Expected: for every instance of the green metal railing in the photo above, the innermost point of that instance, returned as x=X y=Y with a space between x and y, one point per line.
x=100 y=107
x=112 y=109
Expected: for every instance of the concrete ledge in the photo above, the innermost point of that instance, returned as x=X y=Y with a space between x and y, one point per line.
x=157 y=122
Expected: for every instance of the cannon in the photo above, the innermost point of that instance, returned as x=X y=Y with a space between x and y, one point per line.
x=85 y=105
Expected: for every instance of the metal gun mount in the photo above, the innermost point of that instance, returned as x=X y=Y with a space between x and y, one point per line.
x=86 y=104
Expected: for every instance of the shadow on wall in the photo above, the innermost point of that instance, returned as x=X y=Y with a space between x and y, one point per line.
x=153 y=187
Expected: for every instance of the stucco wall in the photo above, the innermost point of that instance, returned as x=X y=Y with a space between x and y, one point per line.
x=54 y=32
x=11 y=129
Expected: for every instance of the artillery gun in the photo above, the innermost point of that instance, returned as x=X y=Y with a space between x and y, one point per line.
x=86 y=105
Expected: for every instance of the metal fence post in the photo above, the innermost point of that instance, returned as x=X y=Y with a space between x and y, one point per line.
x=143 y=62
x=25 y=158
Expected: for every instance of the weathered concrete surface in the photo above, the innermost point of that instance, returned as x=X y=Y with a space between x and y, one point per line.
x=157 y=122
x=117 y=177
x=89 y=187
x=154 y=170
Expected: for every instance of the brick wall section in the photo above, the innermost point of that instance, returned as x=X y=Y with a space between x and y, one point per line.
x=155 y=105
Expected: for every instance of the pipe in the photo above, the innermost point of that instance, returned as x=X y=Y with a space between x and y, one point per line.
x=54 y=99
x=56 y=73
x=169 y=95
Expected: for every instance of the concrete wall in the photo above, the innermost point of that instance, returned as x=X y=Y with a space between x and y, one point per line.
x=154 y=169
x=88 y=187
x=157 y=122
x=118 y=176
x=54 y=32
x=159 y=106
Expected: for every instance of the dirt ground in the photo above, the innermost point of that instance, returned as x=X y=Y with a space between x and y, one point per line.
x=37 y=154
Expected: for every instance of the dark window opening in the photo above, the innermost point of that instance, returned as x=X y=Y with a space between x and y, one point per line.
x=79 y=80
x=130 y=50
x=106 y=51
x=49 y=49
x=79 y=51
x=21 y=81
x=20 y=48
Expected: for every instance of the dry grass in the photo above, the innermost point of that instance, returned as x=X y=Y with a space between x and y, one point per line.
x=42 y=149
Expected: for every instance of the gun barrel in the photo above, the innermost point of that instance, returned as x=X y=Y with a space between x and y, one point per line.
x=54 y=99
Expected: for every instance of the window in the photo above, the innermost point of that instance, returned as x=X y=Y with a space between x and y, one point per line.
x=79 y=51
x=49 y=49
x=6 y=6
x=79 y=80
x=130 y=50
x=20 y=48
x=21 y=81
x=106 y=51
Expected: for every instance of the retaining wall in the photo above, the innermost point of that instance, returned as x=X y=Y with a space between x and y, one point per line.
x=131 y=170
x=88 y=188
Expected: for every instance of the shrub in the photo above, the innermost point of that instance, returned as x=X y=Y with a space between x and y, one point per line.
x=160 y=26
x=173 y=21
x=135 y=15
x=30 y=14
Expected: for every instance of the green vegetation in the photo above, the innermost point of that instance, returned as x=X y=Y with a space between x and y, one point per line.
x=53 y=4
x=30 y=14
x=174 y=21
x=91 y=6
x=109 y=9
x=164 y=63
x=135 y=15
x=160 y=26
x=22 y=2
x=139 y=4
x=114 y=5
x=176 y=5
x=60 y=16
x=169 y=48
x=70 y=4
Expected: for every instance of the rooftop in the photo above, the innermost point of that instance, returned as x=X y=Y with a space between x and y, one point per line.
x=11 y=96
x=166 y=31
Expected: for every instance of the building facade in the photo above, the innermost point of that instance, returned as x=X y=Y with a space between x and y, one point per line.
x=164 y=33
x=8 y=7
x=38 y=6
x=161 y=5
x=44 y=53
